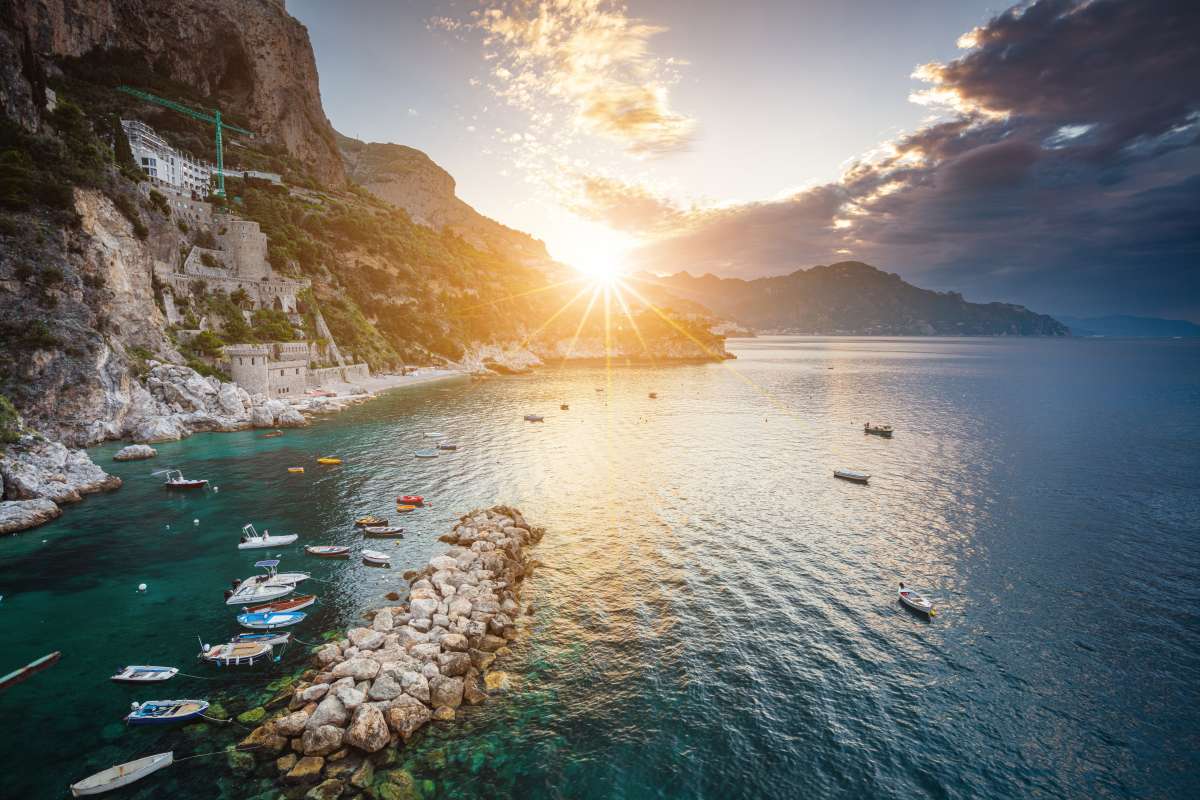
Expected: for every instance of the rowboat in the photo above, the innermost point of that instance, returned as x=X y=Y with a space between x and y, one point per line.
x=165 y=712
x=175 y=480
x=564 y=407
x=18 y=675
x=654 y=395
x=292 y=604
x=878 y=430
x=425 y=453
x=269 y=620
x=376 y=558
x=369 y=520
x=434 y=434
x=327 y=551
x=916 y=601
x=252 y=540
x=271 y=639
x=271 y=435
x=328 y=460
x=851 y=475
x=404 y=509
x=296 y=470
x=534 y=418
x=451 y=446
x=235 y=653
x=383 y=532
x=412 y=499
x=121 y=775
x=144 y=674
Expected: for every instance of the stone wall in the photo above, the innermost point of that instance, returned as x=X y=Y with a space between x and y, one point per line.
x=248 y=366
x=287 y=378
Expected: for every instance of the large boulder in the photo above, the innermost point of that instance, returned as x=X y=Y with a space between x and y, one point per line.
x=321 y=741
x=446 y=691
x=135 y=452
x=368 y=729
x=383 y=621
x=423 y=607
x=292 y=724
x=290 y=418
x=306 y=770
x=314 y=693
x=385 y=687
x=406 y=715
x=361 y=669
x=330 y=711
x=454 y=663
x=415 y=685
x=365 y=638
x=262 y=417
x=453 y=641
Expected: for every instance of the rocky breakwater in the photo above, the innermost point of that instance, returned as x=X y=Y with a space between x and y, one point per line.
x=417 y=662
x=38 y=475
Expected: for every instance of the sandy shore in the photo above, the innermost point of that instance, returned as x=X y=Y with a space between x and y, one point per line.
x=361 y=391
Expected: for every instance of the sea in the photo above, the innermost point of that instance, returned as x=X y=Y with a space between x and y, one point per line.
x=714 y=614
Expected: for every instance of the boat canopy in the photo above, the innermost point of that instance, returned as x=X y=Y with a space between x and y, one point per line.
x=268 y=564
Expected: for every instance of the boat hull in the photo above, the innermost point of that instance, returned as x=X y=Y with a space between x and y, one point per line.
x=270 y=620
x=144 y=674
x=268 y=541
x=121 y=775
x=340 y=552
x=183 y=711
x=294 y=604
x=853 y=477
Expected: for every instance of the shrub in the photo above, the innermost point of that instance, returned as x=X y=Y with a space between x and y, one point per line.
x=207 y=343
x=51 y=276
x=209 y=260
x=10 y=422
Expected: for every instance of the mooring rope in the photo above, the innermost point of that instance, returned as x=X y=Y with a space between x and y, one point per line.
x=216 y=753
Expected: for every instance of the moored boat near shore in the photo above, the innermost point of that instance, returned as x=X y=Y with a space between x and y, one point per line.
x=376 y=558
x=165 y=712
x=851 y=475
x=175 y=480
x=328 y=551
x=144 y=674
x=878 y=430
x=383 y=532
x=269 y=620
x=121 y=775
x=236 y=653
x=291 y=604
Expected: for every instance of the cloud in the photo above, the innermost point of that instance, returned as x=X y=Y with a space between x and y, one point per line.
x=1063 y=172
x=592 y=58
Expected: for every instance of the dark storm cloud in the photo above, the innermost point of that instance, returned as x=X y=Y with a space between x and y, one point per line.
x=1067 y=178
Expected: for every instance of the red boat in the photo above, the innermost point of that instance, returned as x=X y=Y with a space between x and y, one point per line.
x=328 y=551
x=411 y=499
x=293 y=604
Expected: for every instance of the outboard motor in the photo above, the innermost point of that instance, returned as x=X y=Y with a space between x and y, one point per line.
x=228 y=593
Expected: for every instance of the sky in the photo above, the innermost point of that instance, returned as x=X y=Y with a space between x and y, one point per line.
x=1046 y=154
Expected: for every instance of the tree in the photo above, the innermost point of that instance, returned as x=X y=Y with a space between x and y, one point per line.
x=207 y=343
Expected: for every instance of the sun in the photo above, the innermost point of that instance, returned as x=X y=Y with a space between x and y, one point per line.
x=596 y=252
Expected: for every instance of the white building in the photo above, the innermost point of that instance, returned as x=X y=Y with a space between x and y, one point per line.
x=164 y=163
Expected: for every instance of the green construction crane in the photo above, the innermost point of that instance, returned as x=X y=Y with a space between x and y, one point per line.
x=214 y=118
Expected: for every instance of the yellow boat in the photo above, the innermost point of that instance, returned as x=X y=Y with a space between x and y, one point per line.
x=403 y=509
x=295 y=469
x=329 y=460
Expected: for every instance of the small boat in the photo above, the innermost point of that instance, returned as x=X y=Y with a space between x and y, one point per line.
x=121 y=775
x=272 y=639
x=271 y=435
x=376 y=558
x=18 y=675
x=271 y=585
x=878 y=430
x=370 y=520
x=851 y=475
x=328 y=460
x=434 y=434
x=425 y=453
x=291 y=604
x=235 y=653
x=175 y=480
x=296 y=470
x=252 y=540
x=411 y=499
x=916 y=601
x=383 y=532
x=404 y=509
x=534 y=418
x=144 y=674
x=328 y=551
x=598 y=389
x=564 y=407
x=447 y=446
x=270 y=620
x=165 y=712
x=654 y=395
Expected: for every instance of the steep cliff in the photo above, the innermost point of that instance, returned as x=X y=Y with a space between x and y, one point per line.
x=409 y=179
x=248 y=55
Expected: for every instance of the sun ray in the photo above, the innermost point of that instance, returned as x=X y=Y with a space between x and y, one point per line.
x=617 y=286
x=583 y=321
x=556 y=314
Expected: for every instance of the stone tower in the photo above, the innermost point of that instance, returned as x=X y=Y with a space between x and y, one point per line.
x=246 y=247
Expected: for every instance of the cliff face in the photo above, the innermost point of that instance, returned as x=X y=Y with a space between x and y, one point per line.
x=409 y=179
x=857 y=299
x=244 y=54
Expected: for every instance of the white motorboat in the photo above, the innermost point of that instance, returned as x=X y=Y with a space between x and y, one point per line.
x=271 y=585
x=243 y=651
x=139 y=673
x=376 y=558
x=851 y=475
x=916 y=601
x=121 y=775
x=175 y=480
x=253 y=540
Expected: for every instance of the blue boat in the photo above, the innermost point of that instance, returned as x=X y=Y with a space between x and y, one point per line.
x=269 y=620
x=165 y=712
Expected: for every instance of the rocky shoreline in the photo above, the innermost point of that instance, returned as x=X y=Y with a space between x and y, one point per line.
x=419 y=661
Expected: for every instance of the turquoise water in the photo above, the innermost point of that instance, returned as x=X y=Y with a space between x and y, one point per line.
x=716 y=616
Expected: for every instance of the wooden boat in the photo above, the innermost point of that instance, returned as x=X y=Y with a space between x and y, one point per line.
x=564 y=407
x=235 y=653
x=425 y=453
x=411 y=499
x=370 y=520
x=291 y=604
x=328 y=460
x=271 y=435
x=654 y=395
x=32 y=668
x=121 y=775
x=328 y=551
x=270 y=620
x=534 y=418
x=165 y=712
x=851 y=475
x=404 y=509
x=916 y=601
x=376 y=558
x=383 y=532
x=296 y=470
x=272 y=639
x=175 y=480
x=144 y=674
x=447 y=446
x=252 y=540
x=878 y=430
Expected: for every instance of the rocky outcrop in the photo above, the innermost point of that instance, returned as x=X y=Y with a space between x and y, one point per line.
x=135 y=452
x=424 y=660
x=36 y=468
x=17 y=515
